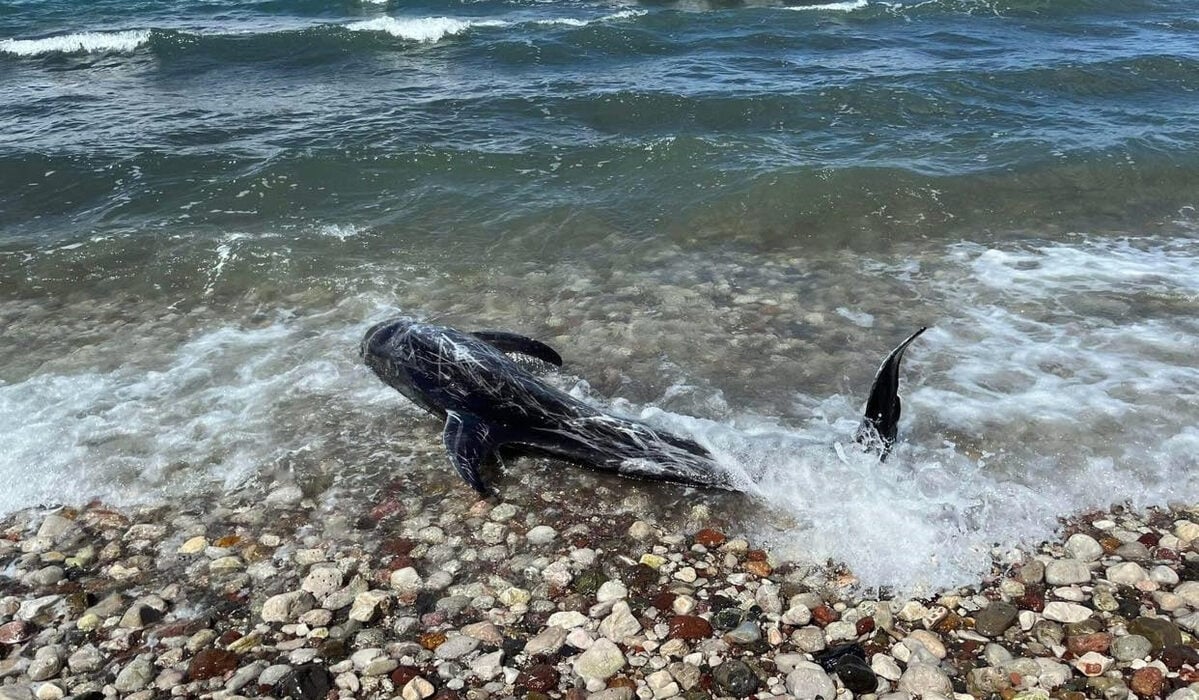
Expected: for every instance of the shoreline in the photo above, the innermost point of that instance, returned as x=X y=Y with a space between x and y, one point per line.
x=277 y=597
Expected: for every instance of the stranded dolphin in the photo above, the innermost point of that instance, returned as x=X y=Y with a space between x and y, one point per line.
x=488 y=400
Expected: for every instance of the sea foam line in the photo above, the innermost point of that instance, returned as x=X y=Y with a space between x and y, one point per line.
x=422 y=29
x=79 y=42
x=848 y=6
x=574 y=22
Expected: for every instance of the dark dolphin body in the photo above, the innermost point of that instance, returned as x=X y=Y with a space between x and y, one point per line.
x=488 y=400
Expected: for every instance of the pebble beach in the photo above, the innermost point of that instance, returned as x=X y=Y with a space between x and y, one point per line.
x=277 y=597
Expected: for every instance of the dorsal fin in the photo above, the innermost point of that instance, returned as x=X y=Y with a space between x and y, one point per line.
x=514 y=342
x=881 y=420
x=469 y=441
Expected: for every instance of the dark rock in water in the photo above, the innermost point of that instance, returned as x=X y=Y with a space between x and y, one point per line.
x=512 y=647
x=540 y=678
x=735 y=678
x=210 y=663
x=720 y=602
x=426 y=603
x=1128 y=606
x=830 y=657
x=589 y=581
x=994 y=619
x=333 y=650
x=307 y=682
x=857 y=675
x=1177 y=656
x=639 y=578
x=1161 y=633
x=728 y=619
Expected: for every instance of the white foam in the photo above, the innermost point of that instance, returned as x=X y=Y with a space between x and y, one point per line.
x=80 y=42
x=848 y=6
x=575 y=22
x=422 y=29
x=341 y=232
x=1019 y=409
x=207 y=415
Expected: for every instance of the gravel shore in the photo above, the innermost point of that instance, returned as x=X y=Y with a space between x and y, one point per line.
x=275 y=597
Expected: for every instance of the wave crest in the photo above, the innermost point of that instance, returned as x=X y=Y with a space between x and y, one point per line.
x=423 y=29
x=79 y=42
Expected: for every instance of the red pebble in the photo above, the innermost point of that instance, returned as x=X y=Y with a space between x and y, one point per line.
x=1097 y=642
x=1147 y=682
x=823 y=615
x=689 y=627
x=710 y=538
x=211 y=663
x=664 y=600
x=403 y=674
x=865 y=626
x=541 y=678
x=386 y=509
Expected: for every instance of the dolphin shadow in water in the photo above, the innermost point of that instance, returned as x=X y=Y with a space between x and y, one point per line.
x=489 y=401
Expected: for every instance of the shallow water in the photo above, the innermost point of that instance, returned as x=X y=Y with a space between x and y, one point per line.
x=722 y=215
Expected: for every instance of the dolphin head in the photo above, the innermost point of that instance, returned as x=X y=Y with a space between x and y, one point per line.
x=385 y=349
x=378 y=338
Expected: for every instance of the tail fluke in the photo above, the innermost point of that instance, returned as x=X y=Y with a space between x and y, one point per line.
x=880 y=425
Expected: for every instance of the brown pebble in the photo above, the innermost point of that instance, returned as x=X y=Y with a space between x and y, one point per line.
x=823 y=615
x=689 y=627
x=1032 y=599
x=1147 y=682
x=403 y=674
x=1096 y=641
x=710 y=538
x=229 y=637
x=227 y=541
x=758 y=568
x=865 y=626
x=756 y=555
x=15 y=632
x=664 y=600
x=211 y=663
x=540 y=678
x=432 y=640
x=622 y=682
x=576 y=694
x=1110 y=544
x=952 y=622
